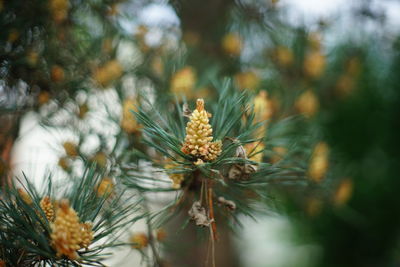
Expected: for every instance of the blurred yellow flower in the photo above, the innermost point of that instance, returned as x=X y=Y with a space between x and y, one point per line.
x=232 y=44
x=319 y=162
x=247 y=80
x=25 y=196
x=314 y=41
x=105 y=187
x=128 y=122
x=313 y=206
x=343 y=192
x=43 y=97
x=284 y=56
x=307 y=103
x=176 y=178
x=157 y=66
x=191 y=38
x=139 y=240
x=279 y=153
x=263 y=110
x=64 y=163
x=32 y=58
x=161 y=234
x=13 y=35
x=183 y=81
x=345 y=85
x=82 y=110
x=314 y=64
x=108 y=73
x=57 y=73
x=70 y=149
x=100 y=158
x=256 y=150
x=59 y=10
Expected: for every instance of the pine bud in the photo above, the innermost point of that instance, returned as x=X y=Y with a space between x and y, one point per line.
x=47 y=208
x=86 y=234
x=68 y=234
x=199 y=135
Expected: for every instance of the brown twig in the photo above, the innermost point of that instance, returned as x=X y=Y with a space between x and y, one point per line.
x=211 y=211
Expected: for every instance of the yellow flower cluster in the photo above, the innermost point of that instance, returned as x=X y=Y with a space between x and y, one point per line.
x=319 y=162
x=199 y=135
x=128 y=122
x=68 y=234
x=108 y=73
x=183 y=81
x=47 y=208
x=59 y=10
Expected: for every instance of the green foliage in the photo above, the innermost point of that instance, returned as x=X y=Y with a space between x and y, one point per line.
x=25 y=231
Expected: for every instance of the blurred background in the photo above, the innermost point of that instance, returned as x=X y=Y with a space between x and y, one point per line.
x=71 y=71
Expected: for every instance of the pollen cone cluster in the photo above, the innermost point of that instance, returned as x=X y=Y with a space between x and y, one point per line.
x=68 y=234
x=47 y=208
x=199 y=136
